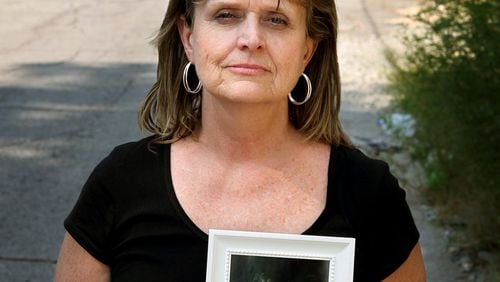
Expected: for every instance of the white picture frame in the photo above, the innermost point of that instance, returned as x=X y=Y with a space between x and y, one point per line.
x=236 y=254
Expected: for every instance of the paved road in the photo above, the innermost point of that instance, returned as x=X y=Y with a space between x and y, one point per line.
x=72 y=74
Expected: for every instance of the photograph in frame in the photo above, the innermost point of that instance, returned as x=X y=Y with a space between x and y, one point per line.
x=240 y=256
x=270 y=268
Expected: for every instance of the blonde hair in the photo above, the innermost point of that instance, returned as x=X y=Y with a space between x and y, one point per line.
x=171 y=113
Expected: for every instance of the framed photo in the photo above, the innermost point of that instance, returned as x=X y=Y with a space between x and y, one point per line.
x=238 y=256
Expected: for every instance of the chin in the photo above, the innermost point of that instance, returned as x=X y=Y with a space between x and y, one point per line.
x=248 y=96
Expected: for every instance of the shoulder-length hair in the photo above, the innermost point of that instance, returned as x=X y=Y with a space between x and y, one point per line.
x=171 y=113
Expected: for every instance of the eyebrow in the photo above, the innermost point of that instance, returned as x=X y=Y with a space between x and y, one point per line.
x=237 y=4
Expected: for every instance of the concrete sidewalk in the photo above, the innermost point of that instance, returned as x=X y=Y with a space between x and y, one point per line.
x=72 y=75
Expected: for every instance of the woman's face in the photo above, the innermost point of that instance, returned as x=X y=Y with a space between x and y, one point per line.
x=247 y=50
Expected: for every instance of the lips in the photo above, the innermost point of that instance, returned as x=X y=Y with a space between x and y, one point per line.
x=248 y=69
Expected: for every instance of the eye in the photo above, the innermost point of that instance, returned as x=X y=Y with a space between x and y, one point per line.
x=277 y=19
x=224 y=15
x=227 y=16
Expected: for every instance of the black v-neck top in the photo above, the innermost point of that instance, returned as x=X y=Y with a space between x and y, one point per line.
x=128 y=216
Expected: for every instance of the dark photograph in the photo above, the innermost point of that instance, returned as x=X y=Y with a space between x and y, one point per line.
x=245 y=268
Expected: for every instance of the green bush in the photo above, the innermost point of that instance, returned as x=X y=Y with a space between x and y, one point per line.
x=448 y=80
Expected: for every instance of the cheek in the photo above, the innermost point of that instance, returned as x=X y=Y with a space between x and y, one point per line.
x=209 y=53
x=289 y=59
x=210 y=47
x=207 y=59
x=290 y=65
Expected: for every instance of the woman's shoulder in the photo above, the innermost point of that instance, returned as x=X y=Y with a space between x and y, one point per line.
x=135 y=150
x=129 y=156
x=362 y=178
x=357 y=164
x=139 y=146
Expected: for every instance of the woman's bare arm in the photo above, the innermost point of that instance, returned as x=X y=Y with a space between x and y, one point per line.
x=412 y=270
x=76 y=264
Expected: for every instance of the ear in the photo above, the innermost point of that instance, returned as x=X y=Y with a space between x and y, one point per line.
x=185 y=33
x=311 y=45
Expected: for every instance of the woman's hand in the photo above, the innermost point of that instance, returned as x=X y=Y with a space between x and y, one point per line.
x=411 y=270
x=76 y=264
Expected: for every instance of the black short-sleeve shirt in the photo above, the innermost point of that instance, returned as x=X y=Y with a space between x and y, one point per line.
x=128 y=217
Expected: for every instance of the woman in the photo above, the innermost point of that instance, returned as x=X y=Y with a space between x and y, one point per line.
x=243 y=140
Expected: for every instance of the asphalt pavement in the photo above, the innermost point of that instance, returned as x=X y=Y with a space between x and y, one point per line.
x=72 y=75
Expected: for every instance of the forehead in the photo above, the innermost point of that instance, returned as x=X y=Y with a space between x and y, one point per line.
x=276 y=4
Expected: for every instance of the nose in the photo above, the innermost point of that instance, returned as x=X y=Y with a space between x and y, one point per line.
x=251 y=35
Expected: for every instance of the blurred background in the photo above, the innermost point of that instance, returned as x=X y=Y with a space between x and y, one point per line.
x=420 y=89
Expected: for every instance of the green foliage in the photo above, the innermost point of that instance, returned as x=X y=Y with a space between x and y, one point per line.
x=449 y=81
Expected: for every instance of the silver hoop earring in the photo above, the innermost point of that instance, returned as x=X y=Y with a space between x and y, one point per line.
x=308 y=92
x=186 y=83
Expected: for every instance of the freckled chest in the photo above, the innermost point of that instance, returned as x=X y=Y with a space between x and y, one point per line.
x=251 y=196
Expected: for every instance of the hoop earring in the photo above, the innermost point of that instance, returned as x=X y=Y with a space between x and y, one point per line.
x=308 y=92
x=186 y=83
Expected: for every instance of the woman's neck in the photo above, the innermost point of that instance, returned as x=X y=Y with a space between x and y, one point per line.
x=238 y=131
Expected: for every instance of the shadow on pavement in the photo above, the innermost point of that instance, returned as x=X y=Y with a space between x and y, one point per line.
x=58 y=121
